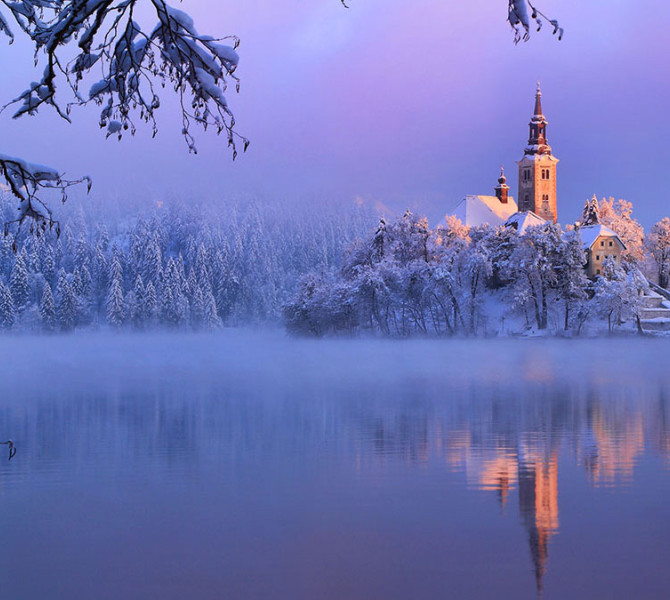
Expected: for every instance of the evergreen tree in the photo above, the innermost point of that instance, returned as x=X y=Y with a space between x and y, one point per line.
x=18 y=282
x=7 y=312
x=139 y=316
x=150 y=305
x=591 y=212
x=211 y=318
x=115 y=307
x=47 y=309
x=66 y=307
x=47 y=264
x=197 y=306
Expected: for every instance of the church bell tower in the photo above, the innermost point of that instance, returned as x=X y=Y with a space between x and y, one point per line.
x=537 y=169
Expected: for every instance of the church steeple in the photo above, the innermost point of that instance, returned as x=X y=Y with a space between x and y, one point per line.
x=537 y=140
x=537 y=168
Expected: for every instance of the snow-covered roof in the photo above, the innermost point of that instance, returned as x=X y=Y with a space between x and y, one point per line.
x=523 y=220
x=590 y=233
x=478 y=210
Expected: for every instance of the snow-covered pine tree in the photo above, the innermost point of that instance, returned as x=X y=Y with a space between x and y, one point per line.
x=115 y=305
x=591 y=212
x=66 y=306
x=197 y=307
x=139 y=316
x=211 y=317
x=150 y=306
x=18 y=282
x=48 y=309
x=7 y=312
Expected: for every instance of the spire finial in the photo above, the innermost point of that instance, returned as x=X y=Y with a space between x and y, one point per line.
x=502 y=178
x=539 y=91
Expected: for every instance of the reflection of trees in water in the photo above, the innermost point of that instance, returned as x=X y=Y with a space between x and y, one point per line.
x=478 y=430
x=504 y=440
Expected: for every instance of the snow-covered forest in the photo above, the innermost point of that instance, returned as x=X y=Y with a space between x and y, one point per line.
x=187 y=265
x=178 y=265
x=407 y=278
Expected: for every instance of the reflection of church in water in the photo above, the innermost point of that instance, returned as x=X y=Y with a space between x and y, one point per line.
x=495 y=456
x=533 y=471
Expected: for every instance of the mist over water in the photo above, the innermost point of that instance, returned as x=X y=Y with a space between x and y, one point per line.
x=249 y=465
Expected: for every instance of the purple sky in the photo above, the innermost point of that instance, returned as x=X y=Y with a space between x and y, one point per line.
x=407 y=104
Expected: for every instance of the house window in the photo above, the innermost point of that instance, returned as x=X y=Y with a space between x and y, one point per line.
x=610 y=244
x=602 y=244
x=597 y=256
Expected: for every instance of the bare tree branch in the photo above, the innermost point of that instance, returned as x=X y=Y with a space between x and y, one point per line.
x=133 y=65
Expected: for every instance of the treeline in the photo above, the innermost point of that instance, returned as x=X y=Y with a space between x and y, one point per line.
x=179 y=266
x=407 y=278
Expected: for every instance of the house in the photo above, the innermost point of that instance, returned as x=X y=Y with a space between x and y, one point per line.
x=600 y=243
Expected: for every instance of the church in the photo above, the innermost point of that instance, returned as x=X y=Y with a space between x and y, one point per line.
x=537 y=183
x=537 y=198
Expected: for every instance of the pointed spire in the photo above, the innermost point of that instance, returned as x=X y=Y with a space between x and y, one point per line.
x=538 y=101
x=537 y=140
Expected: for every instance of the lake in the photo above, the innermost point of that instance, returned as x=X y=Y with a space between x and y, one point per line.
x=247 y=465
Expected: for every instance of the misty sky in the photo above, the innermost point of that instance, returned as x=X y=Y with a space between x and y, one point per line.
x=402 y=103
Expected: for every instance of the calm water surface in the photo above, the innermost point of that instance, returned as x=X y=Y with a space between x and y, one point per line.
x=246 y=465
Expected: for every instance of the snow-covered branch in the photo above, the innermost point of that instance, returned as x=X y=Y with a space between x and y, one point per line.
x=95 y=51
x=24 y=180
x=134 y=63
x=522 y=13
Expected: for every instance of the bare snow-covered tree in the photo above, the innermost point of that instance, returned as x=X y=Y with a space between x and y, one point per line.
x=618 y=216
x=657 y=244
x=101 y=52
x=616 y=296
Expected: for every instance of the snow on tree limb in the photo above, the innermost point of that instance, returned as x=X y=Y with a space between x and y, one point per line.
x=130 y=64
x=520 y=20
x=25 y=180
x=134 y=63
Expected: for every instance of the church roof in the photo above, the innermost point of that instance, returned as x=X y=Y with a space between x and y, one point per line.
x=480 y=210
x=523 y=220
x=590 y=233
